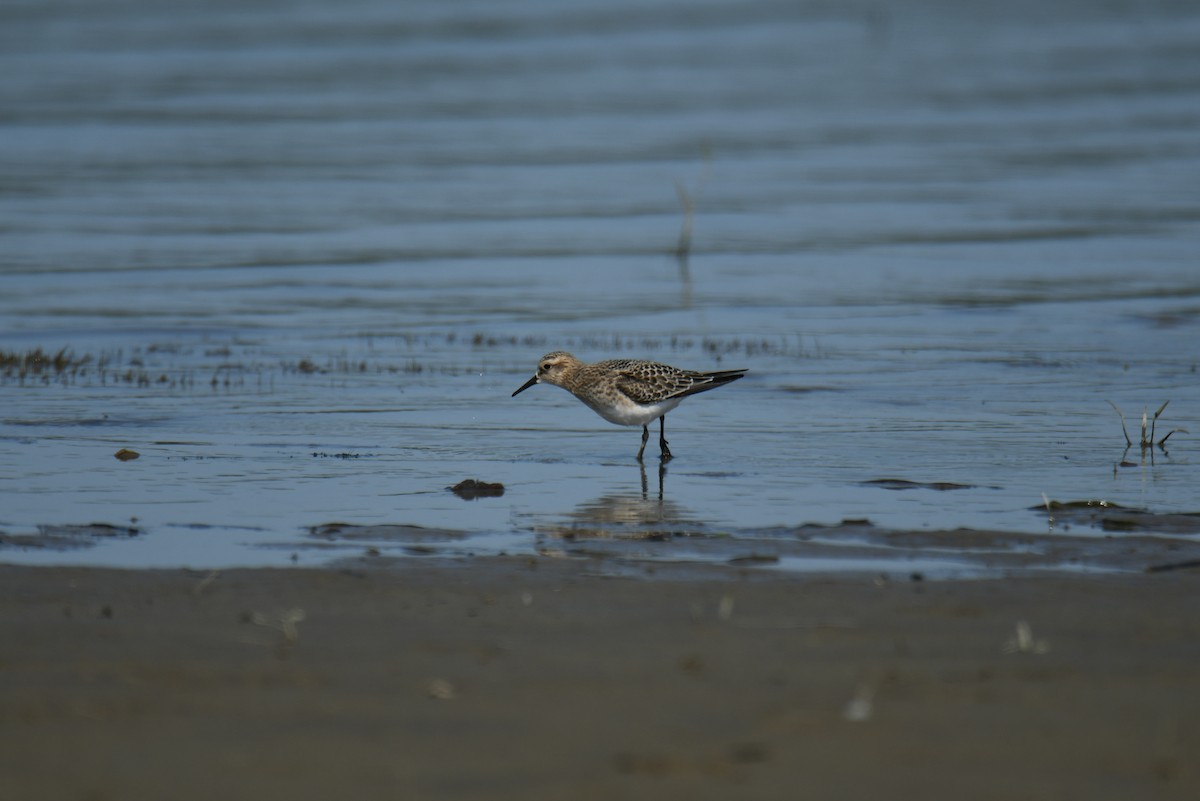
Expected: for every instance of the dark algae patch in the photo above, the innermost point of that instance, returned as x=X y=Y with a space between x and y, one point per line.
x=904 y=484
x=470 y=489
x=385 y=532
x=1108 y=516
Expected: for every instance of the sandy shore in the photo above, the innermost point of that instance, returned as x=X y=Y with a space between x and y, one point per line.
x=537 y=680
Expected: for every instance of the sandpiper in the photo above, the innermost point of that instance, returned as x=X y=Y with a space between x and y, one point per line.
x=628 y=392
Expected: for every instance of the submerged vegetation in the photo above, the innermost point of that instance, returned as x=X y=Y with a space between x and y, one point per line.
x=606 y=346
x=1149 y=427
x=241 y=365
x=39 y=363
x=36 y=366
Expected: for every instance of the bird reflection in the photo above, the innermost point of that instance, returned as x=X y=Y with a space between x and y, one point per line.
x=628 y=516
x=662 y=476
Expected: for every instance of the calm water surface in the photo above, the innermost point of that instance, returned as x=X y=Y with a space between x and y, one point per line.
x=308 y=251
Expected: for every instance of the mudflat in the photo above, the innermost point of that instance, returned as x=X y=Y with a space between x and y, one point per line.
x=544 y=679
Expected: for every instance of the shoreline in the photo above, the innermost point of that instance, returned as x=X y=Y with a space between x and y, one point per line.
x=1085 y=538
x=537 y=679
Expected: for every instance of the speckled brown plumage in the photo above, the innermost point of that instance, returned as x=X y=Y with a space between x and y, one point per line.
x=628 y=391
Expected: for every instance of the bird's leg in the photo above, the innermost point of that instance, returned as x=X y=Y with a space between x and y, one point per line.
x=645 y=436
x=662 y=438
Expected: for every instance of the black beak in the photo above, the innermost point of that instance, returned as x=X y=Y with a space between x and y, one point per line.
x=525 y=386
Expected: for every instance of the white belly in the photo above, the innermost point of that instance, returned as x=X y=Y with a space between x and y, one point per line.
x=628 y=413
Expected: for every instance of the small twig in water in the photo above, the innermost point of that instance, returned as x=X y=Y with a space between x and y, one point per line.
x=1153 y=422
x=1128 y=441
x=684 y=247
x=1149 y=428
x=1166 y=436
x=687 y=200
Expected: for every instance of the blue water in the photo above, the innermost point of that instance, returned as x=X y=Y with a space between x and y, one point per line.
x=942 y=237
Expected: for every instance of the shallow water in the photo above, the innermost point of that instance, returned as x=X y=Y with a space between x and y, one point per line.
x=308 y=253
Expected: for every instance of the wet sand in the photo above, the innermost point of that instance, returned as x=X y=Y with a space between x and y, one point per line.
x=543 y=679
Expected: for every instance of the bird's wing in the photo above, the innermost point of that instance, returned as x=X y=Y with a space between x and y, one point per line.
x=655 y=387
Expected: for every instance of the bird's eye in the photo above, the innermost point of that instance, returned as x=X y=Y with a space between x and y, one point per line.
x=546 y=367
